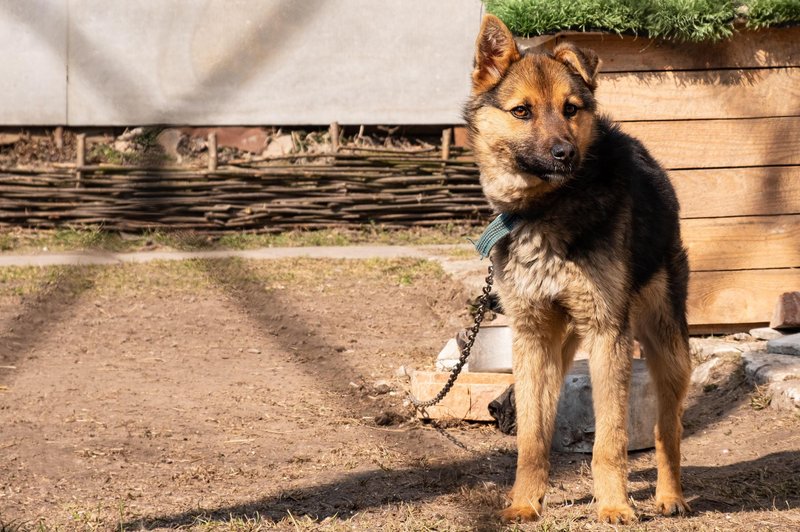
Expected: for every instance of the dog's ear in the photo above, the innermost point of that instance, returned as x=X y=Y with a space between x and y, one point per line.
x=495 y=50
x=582 y=61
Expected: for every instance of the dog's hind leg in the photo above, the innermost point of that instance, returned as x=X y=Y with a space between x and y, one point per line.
x=662 y=331
x=610 y=371
x=538 y=375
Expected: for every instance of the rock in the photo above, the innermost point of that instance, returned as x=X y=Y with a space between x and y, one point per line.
x=765 y=333
x=402 y=372
x=764 y=368
x=785 y=395
x=169 y=139
x=280 y=145
x=787 y=312
x=701 y=375
x=448 y=356
x=382 y=387
x=741 y=337
x=786 y=345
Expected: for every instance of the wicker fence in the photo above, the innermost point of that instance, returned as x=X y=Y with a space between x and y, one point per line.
x=352 y=186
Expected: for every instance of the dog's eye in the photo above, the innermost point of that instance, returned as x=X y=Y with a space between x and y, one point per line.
x=570 y=110
x=521 y=112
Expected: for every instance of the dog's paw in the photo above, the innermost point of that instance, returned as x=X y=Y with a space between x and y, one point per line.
x=621 y=514
x=526 y=512
x=671 y=505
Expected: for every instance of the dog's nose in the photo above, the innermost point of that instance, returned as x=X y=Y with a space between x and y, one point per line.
x=563 y=151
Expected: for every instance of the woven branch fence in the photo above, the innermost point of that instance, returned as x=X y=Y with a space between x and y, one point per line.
x=352 y=186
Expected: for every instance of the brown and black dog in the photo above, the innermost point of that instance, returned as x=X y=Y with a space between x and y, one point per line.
x=595 y=258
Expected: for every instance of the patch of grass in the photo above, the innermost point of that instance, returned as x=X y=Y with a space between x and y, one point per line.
x=96 y=238
x=761 y=397
x=194 y=275
x=679 y=20
x=107 y=154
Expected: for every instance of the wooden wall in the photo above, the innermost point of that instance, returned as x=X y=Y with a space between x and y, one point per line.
x=724 y=119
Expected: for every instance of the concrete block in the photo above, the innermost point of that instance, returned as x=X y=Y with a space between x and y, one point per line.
x=240 y=62
x=575 y=419
x=470 y=397
x=786 y=345
x=33 y=52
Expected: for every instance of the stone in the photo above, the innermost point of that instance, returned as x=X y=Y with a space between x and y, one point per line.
x=381 y=387
x=786 y=345
x=787 y=312
x=785 y=395
x=765 y=333
x=741 y=337
x=764 y=368
x=169 y=139
x=280 y=145
x=702 y=374
x=448 y=356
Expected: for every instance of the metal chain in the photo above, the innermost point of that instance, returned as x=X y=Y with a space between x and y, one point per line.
x=483 y=303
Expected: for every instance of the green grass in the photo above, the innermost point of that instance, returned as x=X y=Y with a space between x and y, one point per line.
x=96 y=238
x=679 y=20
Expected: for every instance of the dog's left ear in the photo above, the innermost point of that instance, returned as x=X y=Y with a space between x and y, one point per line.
x=582 y=61
x=495 y=50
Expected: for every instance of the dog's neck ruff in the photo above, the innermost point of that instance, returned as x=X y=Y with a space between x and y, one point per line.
x=497 y=229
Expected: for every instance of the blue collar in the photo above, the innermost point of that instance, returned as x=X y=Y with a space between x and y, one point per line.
x=497 y=229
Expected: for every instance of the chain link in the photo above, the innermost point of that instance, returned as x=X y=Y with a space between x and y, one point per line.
x=483 y=303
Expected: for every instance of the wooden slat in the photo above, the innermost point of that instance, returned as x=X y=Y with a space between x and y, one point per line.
x=738 y=191
x=776 y=47
x=721 y=143
x=749 y=242
x=719 y=299
x=702 y=94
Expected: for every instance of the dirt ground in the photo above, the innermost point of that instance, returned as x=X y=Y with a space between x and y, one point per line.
x=232 y=395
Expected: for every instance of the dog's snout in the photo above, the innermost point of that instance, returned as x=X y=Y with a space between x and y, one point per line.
x=563 y=151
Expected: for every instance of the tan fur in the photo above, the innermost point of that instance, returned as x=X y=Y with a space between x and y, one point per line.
x=556 y=302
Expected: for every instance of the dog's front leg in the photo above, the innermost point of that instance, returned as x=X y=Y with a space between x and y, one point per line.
x=610 y=370
x=538 y=375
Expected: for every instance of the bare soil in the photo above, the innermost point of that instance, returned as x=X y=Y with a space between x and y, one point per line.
x=231 y=395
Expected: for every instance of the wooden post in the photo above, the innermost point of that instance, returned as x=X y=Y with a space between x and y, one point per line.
x=80 y=157
x=446 y=135
x=212 y=152
x=58 y=137
x=334 y=132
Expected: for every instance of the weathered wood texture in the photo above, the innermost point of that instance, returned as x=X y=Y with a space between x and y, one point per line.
x=740 y=93
x=725 y=120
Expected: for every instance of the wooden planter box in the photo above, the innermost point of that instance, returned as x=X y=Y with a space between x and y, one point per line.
x=724 y=119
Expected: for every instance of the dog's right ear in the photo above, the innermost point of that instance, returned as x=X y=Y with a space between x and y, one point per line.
x=495 y=50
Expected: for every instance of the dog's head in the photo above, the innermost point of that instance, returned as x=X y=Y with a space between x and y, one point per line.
x=531 y=116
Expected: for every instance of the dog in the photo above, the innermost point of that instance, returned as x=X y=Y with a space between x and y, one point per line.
x=595 y=258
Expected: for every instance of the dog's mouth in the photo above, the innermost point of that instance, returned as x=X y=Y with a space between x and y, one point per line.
x=554 y=172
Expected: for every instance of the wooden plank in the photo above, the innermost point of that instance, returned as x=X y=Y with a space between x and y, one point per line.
x=721 y=143
x=700 y=94
x=775 y=47
x=738 y=191
x=742 y=243
x=718 y=300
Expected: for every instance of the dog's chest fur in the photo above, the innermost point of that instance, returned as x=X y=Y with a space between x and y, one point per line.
x=535 y=272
